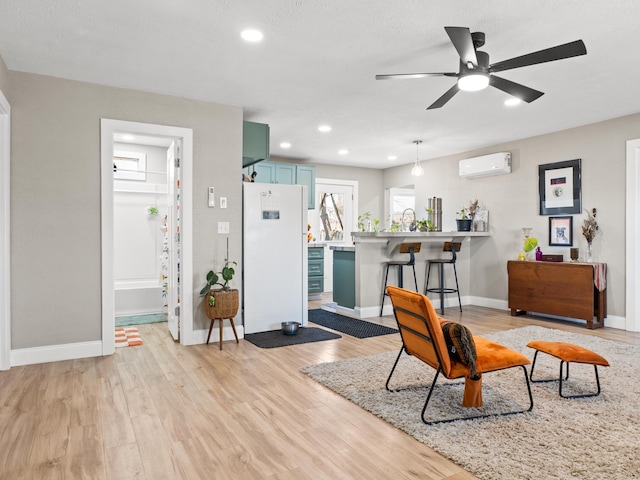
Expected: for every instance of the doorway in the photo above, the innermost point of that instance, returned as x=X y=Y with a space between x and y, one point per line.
x=632 y=307
x=109 y=129
x=333 y=219
x=146 y=200
x=5 y=259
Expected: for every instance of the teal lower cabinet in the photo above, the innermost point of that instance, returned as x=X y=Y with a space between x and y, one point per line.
x=344 y=277
x=316 y=271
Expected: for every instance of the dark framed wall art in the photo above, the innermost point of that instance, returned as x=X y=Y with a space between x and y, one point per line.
x=561 y=231
x=560 y=187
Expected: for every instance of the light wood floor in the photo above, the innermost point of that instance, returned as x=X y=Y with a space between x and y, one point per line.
x=166 y=411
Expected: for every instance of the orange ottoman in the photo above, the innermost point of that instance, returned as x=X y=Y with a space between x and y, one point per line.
x=567 y=353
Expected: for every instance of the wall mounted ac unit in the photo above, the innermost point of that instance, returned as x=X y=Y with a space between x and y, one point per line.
x=486 y=165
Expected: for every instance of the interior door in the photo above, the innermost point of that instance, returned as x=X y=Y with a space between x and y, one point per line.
x=335 y=212
x=173 y=240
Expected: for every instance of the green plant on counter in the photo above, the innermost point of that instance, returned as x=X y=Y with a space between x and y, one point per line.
x=363 y=221
x=376 y=225
x=221 y=278
x=395 y=227
x=463 y=214
x=425 y=225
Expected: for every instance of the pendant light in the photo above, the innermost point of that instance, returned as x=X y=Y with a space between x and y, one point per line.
x=417 y=170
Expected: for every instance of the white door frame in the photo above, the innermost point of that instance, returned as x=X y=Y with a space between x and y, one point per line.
x=328 y=254
x=5 y=237
x=107 y=128
x=632 y=307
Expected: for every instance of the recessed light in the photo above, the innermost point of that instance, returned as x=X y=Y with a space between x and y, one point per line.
x=251 y=35
x=343 y=151
x=285 y=145
x=392 y=157
x=127 y=137
x=324 y=128
x=510 y=102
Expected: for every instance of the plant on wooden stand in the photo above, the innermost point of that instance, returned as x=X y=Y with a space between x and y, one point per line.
x=220 y=302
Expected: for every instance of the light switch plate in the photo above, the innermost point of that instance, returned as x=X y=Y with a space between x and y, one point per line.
x=223 y=227
x=212 y=199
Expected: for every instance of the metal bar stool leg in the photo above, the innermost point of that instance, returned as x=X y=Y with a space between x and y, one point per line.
x=384 y=290
x=455 y=274
x=441 y=265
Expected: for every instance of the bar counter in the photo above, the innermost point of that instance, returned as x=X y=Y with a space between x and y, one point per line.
x=371 y=250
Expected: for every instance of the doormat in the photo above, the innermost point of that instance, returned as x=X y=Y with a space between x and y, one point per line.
x=350 y=326
x=127 y=337
x=275 y=338
x=127 y=320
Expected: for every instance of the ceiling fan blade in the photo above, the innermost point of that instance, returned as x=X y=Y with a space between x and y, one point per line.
x=394 y=76
x=461 y=39
x=444 y=98
x=520 y=91
x=567 y=50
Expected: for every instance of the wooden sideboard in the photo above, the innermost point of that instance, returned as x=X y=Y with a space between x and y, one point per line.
x=557 y=288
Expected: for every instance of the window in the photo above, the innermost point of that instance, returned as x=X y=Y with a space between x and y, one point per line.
x=331 y=217
x=400 y=200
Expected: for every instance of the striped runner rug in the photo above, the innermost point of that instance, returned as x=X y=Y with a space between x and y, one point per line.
x=127 y=337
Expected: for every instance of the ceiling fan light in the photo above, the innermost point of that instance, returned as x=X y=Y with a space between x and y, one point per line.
x=473 y=82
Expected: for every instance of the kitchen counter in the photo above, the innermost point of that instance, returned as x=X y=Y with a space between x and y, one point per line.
x=361 y=267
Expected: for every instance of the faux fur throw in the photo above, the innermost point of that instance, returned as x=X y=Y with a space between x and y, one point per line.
x=461 y=346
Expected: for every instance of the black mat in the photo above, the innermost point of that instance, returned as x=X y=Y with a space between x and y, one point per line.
x=275 y=338
x=350 y=326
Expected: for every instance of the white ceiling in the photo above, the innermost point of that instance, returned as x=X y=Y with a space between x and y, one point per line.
x=318 y=61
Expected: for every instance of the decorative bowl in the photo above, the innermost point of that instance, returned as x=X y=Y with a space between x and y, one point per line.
x=290 y=328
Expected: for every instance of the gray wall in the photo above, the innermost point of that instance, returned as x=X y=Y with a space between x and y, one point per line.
x=370 y=191
x=4 y=79
x=512 y=200
x=55 y=197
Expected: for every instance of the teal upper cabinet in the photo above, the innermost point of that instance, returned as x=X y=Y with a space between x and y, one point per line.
x=255 y=143
x=306 y=175
x=265 y=172
x=286 y=173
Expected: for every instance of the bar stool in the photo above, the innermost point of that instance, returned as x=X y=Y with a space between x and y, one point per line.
x=452 y=247
x=411 y=249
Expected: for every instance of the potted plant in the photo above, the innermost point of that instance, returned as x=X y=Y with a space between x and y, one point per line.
x=463 y=222
x=466 y=215
x=220 y=302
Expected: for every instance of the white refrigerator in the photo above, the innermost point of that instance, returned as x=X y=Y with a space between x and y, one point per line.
x=274 y=256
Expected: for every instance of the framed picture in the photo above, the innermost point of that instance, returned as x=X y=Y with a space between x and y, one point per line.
x=559 y=185
x=129 y=166
x=561 y=231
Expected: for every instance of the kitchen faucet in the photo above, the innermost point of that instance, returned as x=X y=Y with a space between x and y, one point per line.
x=412 y=225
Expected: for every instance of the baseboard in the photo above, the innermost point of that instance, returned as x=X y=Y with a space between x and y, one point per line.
x=55 y=353
x=200 y=336
x=488 y=303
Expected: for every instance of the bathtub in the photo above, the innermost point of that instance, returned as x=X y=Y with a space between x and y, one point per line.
x=138 y=300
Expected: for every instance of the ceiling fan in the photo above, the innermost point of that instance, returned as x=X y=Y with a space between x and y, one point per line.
x=475 y=72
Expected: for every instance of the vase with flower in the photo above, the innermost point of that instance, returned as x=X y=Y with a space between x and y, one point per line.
x=590 y=229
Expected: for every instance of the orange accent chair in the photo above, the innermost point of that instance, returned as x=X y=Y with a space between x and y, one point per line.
x=422 y=337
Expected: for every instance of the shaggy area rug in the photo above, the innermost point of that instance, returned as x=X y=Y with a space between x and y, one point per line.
x=587 y=438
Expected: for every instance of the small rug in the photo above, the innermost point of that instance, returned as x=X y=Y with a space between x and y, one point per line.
x=275 y=338
x=127 y=320
x=127 y=337
x=593 y=438
x=350 y=326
